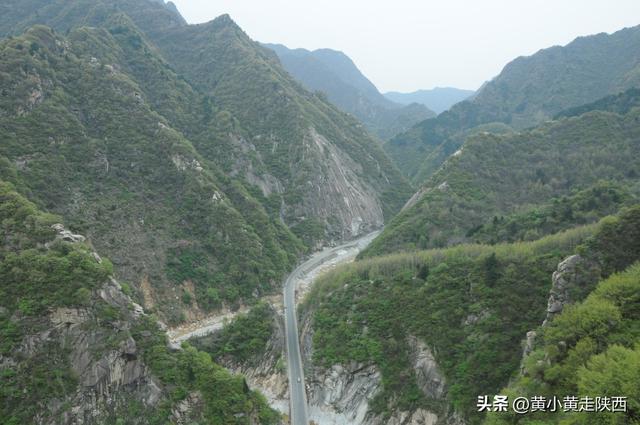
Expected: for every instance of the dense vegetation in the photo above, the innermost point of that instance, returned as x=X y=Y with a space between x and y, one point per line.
x=227 y=398
x=244 y=339
x=334 y=74
x=472 y=304
x=591 y=349
x=38 y=274
x=276 y=114
x=620 y=103
x=166 y=158
x=86 y=143
x=35 y=279
x=192 y=159
x=582 y=207
x=528 y=91
x=515 y=173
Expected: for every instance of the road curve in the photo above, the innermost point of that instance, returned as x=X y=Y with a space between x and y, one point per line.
x=297 y=393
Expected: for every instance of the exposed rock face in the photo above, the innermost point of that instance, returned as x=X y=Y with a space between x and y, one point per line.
x=182 y=413
x=419 y=417
x=103 y=356
x=572 y=274
x=267 y=376
x=183 y=163
x=428 y=376
x=107 y=377
x=66 y=235
x=337 y=191
x=341 y=394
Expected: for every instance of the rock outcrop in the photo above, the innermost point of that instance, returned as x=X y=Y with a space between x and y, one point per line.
x=418 y=417
x=337 y=191
x=340 y=395
x=182 y=413
x=573 y=274
x=103 y=357
x=428 y=375
x=268 y=375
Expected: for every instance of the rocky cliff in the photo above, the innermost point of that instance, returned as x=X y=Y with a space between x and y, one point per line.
x=341 y=394
x=107 y=366
x=268 y=374
x=76 y=349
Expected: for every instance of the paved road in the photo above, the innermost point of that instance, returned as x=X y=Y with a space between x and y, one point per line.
x=297 y=393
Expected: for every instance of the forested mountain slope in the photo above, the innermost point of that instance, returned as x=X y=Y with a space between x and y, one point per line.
x=528 y=91
x=74 y=348
x=80 y=135
x=496 y=175
x=335 y=74
x=443 y=326
x=198 y=185
x=591 y=350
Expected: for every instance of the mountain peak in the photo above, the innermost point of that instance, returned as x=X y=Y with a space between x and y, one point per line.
x=225 y=19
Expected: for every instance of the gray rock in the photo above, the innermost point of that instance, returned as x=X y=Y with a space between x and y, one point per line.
x=428 y=375
x=265 y=375
x=418 y=417
x=342 y=392
x=181 y=412
x=68 y=316
x=107 y=377
x=572 y=273
x=66 y=235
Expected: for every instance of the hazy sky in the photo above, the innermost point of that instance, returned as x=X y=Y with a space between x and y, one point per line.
x=406 y=45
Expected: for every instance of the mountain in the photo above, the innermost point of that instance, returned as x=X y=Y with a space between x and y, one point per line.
x=438 y=99
x=75 y=348
x=334 y=73
x=425 y=332
x=494 y=175
x=528 y=91
x=142 y=132
x=484 y=260
x=600 y=352
x=508 y=245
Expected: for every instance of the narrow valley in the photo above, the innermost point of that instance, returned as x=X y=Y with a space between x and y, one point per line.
x=319 y=213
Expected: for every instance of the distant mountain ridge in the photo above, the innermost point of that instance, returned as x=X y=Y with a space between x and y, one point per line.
x=438 y=99
x=493 y=174
x=528 y=91
x=334 y=73
x=340 y=65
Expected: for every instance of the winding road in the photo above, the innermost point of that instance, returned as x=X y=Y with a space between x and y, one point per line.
x=309 y=269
